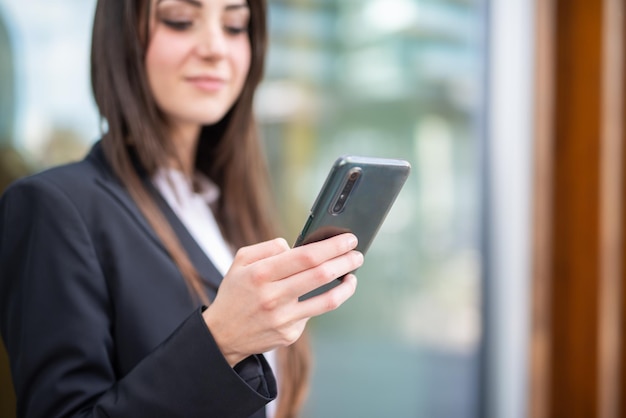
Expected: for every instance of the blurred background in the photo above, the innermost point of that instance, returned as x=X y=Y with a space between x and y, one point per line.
x=441 y=323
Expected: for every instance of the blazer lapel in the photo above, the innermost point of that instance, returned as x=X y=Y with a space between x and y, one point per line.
x=205 y=267
x=108 y=181
x=197 y=256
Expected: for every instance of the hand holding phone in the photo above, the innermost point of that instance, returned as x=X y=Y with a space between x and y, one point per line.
x=356 y=197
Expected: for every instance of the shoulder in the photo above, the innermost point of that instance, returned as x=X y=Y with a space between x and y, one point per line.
x=73 y=182
x=58 y=204
x=63 y=178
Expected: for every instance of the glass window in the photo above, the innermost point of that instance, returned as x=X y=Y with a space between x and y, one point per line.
x=399 y=79
x=48 y=45
x=7 y=76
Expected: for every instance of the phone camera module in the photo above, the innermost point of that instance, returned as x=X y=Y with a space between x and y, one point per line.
x=345 y=192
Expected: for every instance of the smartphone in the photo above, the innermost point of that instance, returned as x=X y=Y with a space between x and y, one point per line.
x=356 y=197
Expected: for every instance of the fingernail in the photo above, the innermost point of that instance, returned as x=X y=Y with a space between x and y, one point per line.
x=353 y=241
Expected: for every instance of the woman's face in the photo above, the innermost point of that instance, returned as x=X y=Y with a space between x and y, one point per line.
x=198 y=58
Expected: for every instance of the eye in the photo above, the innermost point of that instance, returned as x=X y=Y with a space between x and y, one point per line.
x=236 y=30
x=178 y=25
x=176 y=15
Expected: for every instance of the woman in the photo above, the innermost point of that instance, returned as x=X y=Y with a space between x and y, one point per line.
x=107 y=266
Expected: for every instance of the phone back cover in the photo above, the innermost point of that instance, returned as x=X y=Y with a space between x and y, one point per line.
x=367 y=206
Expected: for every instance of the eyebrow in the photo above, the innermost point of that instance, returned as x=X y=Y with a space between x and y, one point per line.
x=195 y=3
x=237 y=6
x=229 y=7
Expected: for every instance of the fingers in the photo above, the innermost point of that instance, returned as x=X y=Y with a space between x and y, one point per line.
x=308 y=280
x=253 y=253
x=299 y=259
x=330 y=300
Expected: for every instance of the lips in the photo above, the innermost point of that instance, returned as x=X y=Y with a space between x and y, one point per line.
x=207 y=83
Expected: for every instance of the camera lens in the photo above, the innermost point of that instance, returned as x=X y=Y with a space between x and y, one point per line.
x=351 y=180
x=341 y=200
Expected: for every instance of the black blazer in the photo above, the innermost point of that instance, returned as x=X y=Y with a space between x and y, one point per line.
x=97 y=319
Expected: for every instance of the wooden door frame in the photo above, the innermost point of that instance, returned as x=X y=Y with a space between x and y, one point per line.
x=578 y=324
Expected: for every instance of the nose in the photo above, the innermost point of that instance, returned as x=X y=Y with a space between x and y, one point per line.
x=212 y=42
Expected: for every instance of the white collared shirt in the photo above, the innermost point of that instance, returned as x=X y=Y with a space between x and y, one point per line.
x=193 y=209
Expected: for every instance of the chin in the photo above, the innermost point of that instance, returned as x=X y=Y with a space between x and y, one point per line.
x=206 y=118
x=209 y=115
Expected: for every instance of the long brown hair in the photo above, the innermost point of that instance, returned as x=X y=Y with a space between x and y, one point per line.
x=229 y=152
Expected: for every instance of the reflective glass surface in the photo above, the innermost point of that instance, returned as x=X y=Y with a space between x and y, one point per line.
x=398 y=79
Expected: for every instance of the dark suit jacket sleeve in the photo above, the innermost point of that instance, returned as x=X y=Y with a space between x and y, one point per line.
x=55 y=318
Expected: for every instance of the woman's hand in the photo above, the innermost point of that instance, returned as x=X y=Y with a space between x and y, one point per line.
x=257 y=309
